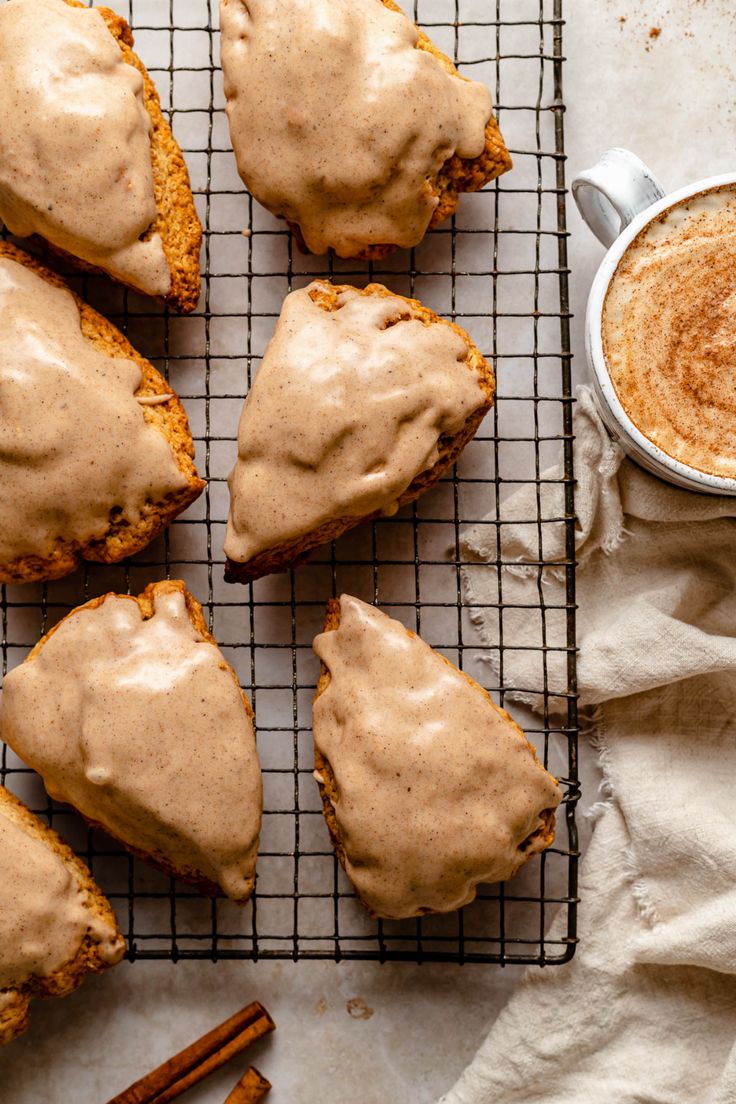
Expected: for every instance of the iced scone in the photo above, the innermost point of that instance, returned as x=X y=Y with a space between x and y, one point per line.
x=96 y=457
x=55 y=925
x=87 y=160
x=363 y=400
x=350 y=124
x=428 y=787
x=130 y=713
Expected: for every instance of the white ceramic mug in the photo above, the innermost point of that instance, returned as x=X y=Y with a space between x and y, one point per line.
x=617 y=198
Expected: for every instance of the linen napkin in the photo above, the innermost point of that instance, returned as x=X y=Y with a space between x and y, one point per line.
x=646 y=1010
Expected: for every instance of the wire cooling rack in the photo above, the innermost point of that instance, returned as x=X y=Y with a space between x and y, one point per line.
x=500 y=269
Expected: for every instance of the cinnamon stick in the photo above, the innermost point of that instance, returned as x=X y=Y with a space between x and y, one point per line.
x=200 y=1058
x=251 y=1088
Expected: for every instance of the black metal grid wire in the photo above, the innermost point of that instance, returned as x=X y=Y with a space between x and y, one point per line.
x=499 y=268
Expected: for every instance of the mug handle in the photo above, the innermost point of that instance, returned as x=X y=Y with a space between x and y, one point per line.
x=614 y=192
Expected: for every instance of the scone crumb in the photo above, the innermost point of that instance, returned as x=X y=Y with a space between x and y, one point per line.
x=358 y=1009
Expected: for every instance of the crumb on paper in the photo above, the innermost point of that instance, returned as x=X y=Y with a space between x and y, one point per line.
x=320 y=1006
x=654 y=33
x=358 y=1009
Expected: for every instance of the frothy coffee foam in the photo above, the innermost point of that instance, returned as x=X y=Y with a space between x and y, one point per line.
x=669 y=331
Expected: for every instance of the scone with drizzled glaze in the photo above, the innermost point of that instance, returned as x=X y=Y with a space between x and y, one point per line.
x=55 y=925
x=87 y=160
x=350 y=124
x=428 y=787
x=130 y=713
x=363 y=400
x=96 y=457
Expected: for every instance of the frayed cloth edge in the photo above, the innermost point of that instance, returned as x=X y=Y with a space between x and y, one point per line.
x=593 y=727
x=478 y=619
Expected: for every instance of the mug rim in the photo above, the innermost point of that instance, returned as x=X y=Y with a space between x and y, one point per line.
x=594 y=337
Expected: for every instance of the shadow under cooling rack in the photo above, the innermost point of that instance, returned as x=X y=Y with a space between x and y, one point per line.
x=500 y=269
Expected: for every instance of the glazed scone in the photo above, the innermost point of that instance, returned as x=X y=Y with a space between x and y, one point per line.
x=428 y=787
x=55 y=924
x=96 y=457
x=87 y=160
x=363 y=400
x=130 y=713
x=349 y=123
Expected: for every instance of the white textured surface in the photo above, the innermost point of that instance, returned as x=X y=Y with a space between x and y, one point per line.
x=671 y=99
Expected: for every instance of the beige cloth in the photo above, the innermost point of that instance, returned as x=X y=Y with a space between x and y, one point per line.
x=646 y=1011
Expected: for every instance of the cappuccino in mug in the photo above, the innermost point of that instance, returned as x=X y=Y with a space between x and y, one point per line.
x=669 y=331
